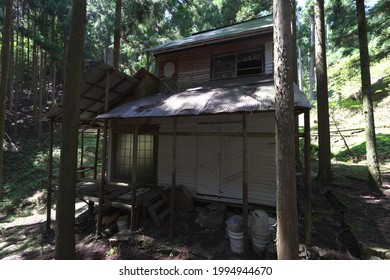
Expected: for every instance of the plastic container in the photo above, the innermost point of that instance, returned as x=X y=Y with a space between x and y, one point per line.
x=260 y=245
x=236 y=237
x=122 y=223
x=260 y=225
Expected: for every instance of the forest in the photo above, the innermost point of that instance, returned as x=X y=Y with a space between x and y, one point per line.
x=350 y=154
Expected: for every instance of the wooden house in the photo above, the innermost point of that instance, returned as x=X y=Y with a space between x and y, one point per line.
x=205 y=120
x=214 y=86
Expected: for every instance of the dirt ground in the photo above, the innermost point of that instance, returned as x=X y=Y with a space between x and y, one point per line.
x=344 y=217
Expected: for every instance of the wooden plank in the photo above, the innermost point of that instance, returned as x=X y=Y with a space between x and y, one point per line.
x=245 y=184
x=104 y=160
x=173 y=187
x=134 y=175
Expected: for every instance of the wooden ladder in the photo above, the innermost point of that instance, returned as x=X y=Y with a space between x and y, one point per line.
x=158 y=206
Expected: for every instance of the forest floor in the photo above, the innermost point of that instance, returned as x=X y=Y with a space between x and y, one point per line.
x=349 y=222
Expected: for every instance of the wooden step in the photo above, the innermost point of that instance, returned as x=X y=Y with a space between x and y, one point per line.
x=158 y=207
x=163 y=214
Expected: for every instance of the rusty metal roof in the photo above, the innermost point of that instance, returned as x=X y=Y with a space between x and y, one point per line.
x=92 y=93
x=206 y=100
x=233 y=31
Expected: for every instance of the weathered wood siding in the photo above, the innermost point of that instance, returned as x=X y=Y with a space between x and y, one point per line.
x=210 y=167
x=269 y=61
x=193 y=66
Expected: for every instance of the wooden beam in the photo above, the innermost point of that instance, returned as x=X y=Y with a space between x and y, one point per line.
x=245 y=183
x=173 y=188
x=49 y=177
x=229 y=134
x=134 y=177
x=307 y=150
x=96 y=154
x=104 y=161
x=82 y=150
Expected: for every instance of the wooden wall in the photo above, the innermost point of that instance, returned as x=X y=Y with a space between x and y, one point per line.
x=193 y=66
x=195 y=161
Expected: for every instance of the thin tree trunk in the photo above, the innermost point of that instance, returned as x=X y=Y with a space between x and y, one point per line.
x=5 y=64
x=311 y=61
x=42 y=89
x=374 y=175
x=287 y=213
x=65 y=221
x=117 y=33
x=34 y=86
x=324 y=168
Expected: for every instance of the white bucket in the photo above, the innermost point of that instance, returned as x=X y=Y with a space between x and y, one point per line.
x=260 y=223
x=260 y=245
x=236 y=237
x=122 y=223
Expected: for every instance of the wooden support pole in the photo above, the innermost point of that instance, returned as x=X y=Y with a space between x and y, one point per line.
x=307 y=148
x=104 y=160
x=96 y=154
x=134 y=177
x=49 y=178
x=82 y=150
x=173 y=188
x=245 y=183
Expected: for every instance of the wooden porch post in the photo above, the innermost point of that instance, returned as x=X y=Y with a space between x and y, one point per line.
x=82 y=150
x=104 y=159
x=49 y=179
x=134 y=177
x=307 y=178
x=96 y=154
x=245 y=183
x=173 y=189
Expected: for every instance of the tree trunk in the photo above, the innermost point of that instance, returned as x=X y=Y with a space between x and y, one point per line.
x=311 y=62
x=374 y=175
x=65 y=221
x=294 y=70
x=117 y=33
x=287 y=215
x=324 y=168
x=5 y=64
x=34 y=86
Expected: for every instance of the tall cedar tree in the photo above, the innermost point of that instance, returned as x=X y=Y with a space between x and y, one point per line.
x=65 y=221
x=5 y=66
x=374 y=176
x=324 y=168
x=117 y=33
x=287 y=214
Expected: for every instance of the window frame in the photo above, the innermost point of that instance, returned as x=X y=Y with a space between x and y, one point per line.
x=236 y=69
x=143 y=131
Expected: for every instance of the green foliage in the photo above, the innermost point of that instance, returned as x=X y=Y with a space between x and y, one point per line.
x=379 y=24
x=341 y=17
x=24 y=172
x=358 y=152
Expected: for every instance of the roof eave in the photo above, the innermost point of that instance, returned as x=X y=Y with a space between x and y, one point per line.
x=251 y=33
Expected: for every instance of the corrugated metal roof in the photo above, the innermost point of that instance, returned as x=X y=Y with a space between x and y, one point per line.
x=92 y=93
x=205 y=100
x=210 y=36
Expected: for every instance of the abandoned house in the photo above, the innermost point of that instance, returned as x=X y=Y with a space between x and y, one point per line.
x=203 y=121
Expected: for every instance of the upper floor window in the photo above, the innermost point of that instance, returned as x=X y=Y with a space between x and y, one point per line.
x=238 y=64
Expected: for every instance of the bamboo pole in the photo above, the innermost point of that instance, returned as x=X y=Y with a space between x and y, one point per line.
x=173 y=189
x=245 y=182
x=134 y=177
x=104 y=159
x=49 y=179
x=308 y=219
